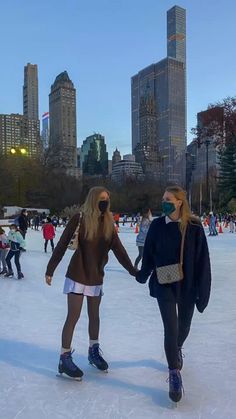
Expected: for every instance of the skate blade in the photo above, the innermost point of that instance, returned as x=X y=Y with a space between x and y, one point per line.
x=94 y=366
x=67 y=377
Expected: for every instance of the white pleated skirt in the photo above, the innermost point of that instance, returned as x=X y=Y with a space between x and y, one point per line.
x=77 y=288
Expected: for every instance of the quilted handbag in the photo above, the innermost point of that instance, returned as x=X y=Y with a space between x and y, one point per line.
x=74 y=242
x=172 y=273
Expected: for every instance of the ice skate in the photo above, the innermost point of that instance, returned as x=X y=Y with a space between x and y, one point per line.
x=95 y=358
x=9 y=274
x=68 y=367
x=175 y=385
x=3 y=272
x=20 y=275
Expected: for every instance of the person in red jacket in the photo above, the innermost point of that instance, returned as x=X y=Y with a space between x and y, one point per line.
x=48 y=233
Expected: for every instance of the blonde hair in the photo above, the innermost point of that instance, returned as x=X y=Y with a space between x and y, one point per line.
x=185 y=212
x=91 y=214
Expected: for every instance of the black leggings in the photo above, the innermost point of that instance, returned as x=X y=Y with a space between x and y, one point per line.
x=10 y=255
x=177 y=321
x=46 y=244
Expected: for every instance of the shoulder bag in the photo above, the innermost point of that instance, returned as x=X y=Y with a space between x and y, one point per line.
x=74 y=242
x=172 y=273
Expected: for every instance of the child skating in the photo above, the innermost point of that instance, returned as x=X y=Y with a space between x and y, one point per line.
x=16 y=243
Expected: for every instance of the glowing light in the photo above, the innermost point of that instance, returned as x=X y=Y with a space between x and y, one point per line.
x=13 y=151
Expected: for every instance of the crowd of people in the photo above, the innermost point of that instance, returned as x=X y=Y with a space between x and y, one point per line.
x=177 y=265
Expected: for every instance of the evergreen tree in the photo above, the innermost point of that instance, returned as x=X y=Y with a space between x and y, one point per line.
x=227 y=176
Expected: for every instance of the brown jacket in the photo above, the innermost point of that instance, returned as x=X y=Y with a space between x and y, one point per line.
x=88 y=261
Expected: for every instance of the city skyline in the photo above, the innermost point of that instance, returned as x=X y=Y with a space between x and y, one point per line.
x=101 y=66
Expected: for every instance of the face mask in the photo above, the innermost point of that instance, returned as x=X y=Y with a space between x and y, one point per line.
x=168 y=207
x=102 y=205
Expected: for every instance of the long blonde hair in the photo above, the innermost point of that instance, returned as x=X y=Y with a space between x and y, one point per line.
x=186 y=216
x=91 y=214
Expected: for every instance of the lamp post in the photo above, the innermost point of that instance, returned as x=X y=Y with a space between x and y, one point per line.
x=207 y=143
x=18 y=152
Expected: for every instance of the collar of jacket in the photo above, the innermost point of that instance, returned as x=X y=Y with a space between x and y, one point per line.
x=168 y=220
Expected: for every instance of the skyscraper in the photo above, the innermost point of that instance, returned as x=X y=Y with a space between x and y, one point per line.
x=17 y=131
x=94 y=156
x=176 y=33
x=45 y=130
x=62 y=138
x=159 y=107
x=30 y=92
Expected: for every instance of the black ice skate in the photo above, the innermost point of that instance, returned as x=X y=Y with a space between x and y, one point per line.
x=20 y=275
x=175 y=385
x=9 y=274
x=3 y=272
x=67 y=366
x=95 y=358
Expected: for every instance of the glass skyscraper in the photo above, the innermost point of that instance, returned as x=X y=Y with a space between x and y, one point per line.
x=164 y=84
x=94 y=156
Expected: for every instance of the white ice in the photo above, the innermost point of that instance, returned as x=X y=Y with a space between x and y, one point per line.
x=32 y=316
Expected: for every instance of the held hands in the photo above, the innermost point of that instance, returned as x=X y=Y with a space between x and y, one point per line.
x=48 y=279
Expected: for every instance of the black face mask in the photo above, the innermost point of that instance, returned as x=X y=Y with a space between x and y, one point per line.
x=102 y=205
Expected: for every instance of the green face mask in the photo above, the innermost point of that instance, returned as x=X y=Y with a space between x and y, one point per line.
x=168 y=207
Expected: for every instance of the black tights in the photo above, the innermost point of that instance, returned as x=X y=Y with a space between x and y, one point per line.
x=176 y=328
x=75 y=303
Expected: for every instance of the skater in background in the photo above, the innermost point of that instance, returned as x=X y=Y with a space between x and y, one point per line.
x=4 y=247
x=16 y=243
x=212 y=224
x=176 y=300
x=36 y=222
x=141 y=237
x=231 y=223
x=23 y=222
x=84 y=277
x=48 y=233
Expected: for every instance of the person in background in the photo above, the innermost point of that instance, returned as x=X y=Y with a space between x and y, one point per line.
x=23 y=222
x=36 y=222
x=17 y=243
x=141 y=237
x=177 y=299
x=48 y=233
x=4 y=247
x=85 y=273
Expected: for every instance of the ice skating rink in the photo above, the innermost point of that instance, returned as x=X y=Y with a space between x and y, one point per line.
x=31 y=319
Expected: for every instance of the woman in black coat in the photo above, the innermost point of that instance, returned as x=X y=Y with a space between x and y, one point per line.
x=177 y=299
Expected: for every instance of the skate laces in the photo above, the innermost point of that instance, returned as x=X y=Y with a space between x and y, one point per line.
x=67 y=356
x=96 y=352
x=175 y=380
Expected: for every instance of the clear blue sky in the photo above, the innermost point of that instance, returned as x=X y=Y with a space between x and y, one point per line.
x=102 y=44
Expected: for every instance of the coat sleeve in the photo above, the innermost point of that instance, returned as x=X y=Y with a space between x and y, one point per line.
x=20 y=240
x=61 y=246
x=148 y=264
x=202 y=272
x=121 y=254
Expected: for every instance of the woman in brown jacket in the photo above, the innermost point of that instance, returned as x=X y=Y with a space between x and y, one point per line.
x=85 y=273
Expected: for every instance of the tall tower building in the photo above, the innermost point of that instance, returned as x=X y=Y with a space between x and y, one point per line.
x=159 y=107
x=176 y=33
x=45 y=130
x=30 y=92
x=62 y=138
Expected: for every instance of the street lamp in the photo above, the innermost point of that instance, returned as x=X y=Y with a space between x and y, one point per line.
x=18 y=150
x=21 y=152
x=207 y=143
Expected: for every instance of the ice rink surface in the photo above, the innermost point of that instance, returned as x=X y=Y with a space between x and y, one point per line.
x=31 y=318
